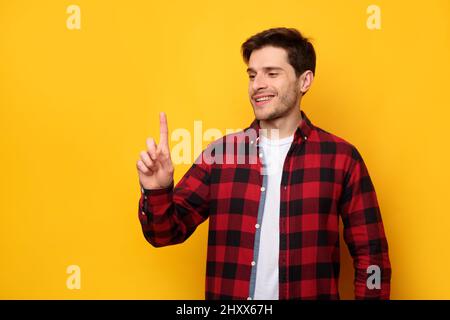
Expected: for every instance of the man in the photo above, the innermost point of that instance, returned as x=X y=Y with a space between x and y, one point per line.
x=274 y=217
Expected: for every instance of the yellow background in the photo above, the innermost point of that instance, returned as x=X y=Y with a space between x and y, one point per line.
x=77 y=105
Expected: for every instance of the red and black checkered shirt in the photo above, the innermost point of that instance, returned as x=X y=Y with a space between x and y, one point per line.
x=323 y=177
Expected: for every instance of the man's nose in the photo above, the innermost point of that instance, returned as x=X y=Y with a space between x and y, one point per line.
x=259 y=82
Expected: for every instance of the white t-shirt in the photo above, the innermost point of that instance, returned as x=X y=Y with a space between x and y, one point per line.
x=274 y=153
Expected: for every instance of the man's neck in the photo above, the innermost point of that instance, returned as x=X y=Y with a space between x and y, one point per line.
x=281 y=127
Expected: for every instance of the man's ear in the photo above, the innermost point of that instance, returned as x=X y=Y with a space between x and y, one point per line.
x=306 y=80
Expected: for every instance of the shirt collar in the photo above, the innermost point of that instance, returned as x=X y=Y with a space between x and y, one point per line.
x=303 y=130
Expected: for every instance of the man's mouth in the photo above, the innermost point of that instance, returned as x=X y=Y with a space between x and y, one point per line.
x=262 y=100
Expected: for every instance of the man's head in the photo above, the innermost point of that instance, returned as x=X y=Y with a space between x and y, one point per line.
x=281 y=66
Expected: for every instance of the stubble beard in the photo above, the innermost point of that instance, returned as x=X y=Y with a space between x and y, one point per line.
x=285 y=106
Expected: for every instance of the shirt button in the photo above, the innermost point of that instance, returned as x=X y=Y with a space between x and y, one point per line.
x=251 y=142
x=260 y=155
x=306 y=138
x=263 y=189
x=257 y=226
x=285 y=187
x=253 y=263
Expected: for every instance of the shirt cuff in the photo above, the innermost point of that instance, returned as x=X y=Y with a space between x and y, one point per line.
x=160 y=191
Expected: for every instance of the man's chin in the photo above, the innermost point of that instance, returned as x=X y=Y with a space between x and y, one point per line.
x=261 y=116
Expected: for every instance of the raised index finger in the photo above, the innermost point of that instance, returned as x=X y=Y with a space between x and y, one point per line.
x=163 y=131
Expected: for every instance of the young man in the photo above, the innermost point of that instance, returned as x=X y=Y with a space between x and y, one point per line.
x=273 y=192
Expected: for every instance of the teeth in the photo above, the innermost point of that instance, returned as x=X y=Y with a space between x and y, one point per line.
x=264 y=98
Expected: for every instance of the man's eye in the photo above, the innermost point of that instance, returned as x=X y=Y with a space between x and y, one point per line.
x=272 y=74
x=251 y=77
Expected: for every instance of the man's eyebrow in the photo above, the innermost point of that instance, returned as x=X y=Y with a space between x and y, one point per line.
x=265 y=68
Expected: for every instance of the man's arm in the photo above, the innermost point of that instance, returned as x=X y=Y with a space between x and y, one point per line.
x=170 y=215
x=364 y=232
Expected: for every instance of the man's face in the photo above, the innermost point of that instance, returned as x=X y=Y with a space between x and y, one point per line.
x=271 y=75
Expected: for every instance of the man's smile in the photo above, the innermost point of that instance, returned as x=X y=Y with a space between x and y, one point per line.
x=263 y=99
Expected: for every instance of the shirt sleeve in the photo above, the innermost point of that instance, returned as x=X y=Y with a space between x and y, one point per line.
x=364 y=232
x=170 y=215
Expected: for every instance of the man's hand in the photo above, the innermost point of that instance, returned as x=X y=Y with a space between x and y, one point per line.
x=155 y=167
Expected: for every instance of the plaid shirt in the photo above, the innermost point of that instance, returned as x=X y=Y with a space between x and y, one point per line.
x=323 y=177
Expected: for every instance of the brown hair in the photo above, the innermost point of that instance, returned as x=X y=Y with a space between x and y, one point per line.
x=300 y=51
